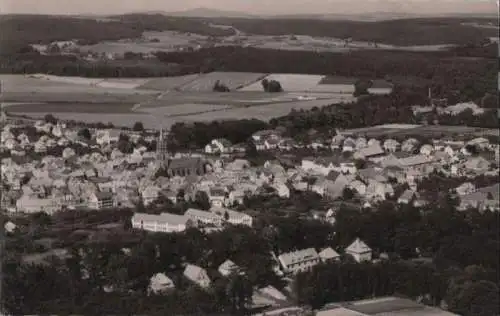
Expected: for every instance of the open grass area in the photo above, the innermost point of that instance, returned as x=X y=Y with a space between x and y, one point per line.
x=232 y=80
x=71 y=108
x=168 y=83
x=289 y=82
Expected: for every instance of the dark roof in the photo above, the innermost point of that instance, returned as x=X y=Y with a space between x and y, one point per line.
x=379 y=83
x=104 y=195
x=185 y=163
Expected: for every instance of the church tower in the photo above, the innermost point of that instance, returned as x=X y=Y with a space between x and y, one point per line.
x=162 y=154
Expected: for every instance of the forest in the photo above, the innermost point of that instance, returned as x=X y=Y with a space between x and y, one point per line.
x=434 y=253
x=19 y=31
x=403 y=32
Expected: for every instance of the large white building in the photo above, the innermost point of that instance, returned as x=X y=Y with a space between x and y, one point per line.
x=165 y=222
x=204 y=217
x=299 y=261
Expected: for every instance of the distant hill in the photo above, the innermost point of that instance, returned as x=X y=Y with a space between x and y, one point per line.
x=206 y=13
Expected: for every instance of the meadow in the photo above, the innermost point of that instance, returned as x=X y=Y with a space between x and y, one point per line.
x=160 y=100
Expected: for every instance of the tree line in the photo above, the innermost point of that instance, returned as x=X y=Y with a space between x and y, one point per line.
x=403 y=32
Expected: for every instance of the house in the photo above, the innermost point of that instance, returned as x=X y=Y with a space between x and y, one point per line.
x=359 y=250
x=328 y=255
x=233 y=217
x=369 y=152
x=358 y=186
x=409 y=145
x=164 y=222
x=349 y=145
x=160 y=283
x=378 y=191
x=337 y=141
x=218 y=146
x=102 y=200
x=204 y=217
x=266 y=134
x=361 y=142
x=150 y=194
x=483 y=198
x=9 y=227
x=227 y=268
x=271 y=143
x=106 y=137
x=217 y=196
x=299 y=261
x=197 y=275
x=391 y=145
x=426 y=150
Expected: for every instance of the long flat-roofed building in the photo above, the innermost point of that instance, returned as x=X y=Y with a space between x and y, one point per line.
x=165 y=222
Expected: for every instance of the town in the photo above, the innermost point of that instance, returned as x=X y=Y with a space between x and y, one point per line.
x=51 y=168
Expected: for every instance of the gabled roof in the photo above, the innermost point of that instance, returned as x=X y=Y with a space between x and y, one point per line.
x=370 y=151
x=298 y=256
x=358 y=246
x=415 y=160
x=328 y=253
x=407 y=195
x=192 y=271
x=228 y=265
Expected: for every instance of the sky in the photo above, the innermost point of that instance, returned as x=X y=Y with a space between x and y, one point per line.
x=249 y=6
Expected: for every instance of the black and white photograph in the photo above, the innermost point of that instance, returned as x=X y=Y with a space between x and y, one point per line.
x=250 y=157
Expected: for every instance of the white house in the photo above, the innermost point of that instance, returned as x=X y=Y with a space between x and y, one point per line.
x=219 y=145
x=110 y=136
x=299 y=261
x=426 y=150
x=349 y=145
x=160 y=283
x=9 y=227
x=164 y=222
x=102 y=200
x=197 y=275
x=328 y=255
x=391 y=145
x=359 y=250
x=150 y=194
x=227 y=268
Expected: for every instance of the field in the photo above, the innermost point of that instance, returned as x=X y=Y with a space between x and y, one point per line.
x=156 y=102
x=289 y=82
x=232 y=80
x=167 y=83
